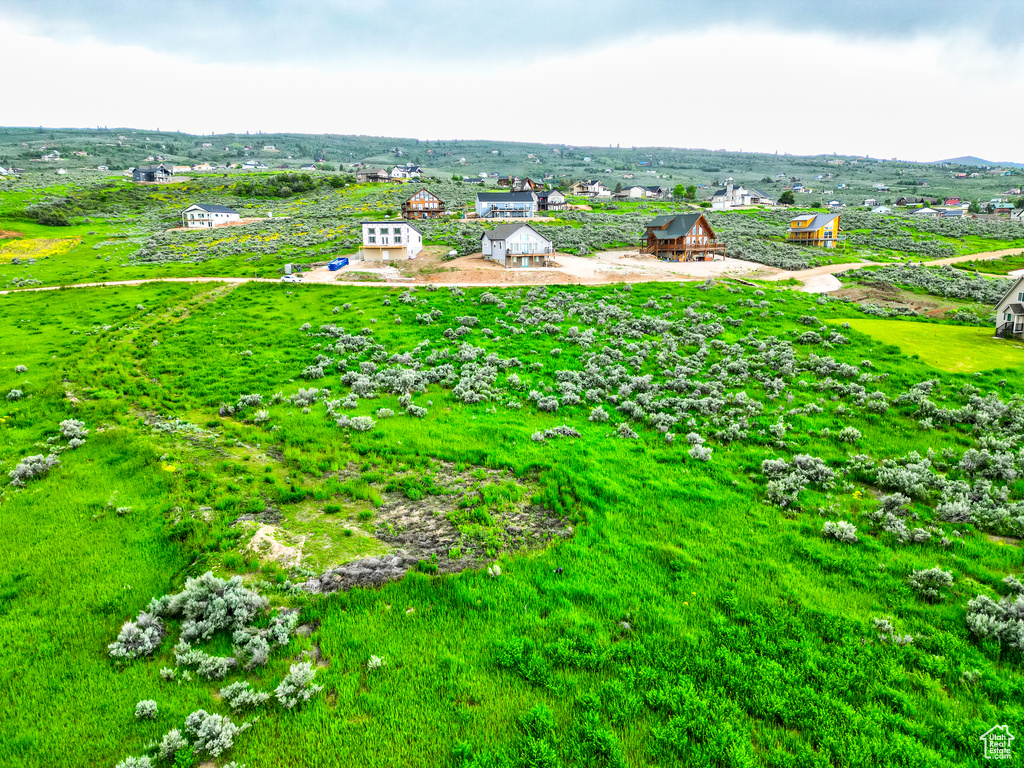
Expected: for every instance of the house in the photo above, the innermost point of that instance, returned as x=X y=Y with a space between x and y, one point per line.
x=373 y=174
x=516 y=245
x=61 y=171
x=202 y=167
x=836 y=205
x=153 y=173
x=51 y=156
x=207 y=144
x=98 y=168
x=269 y=148
x=881 y=209
x=588 y=187
x=526 y=184
x=656 y=192
x=390 y=240
x=924 y=212
x=733 y=195
x=203 y=216
x=909 y=202
x=820 y=229
x=308 y=167
x=507 y=181
x=952 y=201
x=681 y=237
x=1010 y=311
x=494 y=205
x=80 y=154
x=870 y=202
x=249 y=165
x=633 y=192
x=181 y=168
x=1017 y=215
x=551 y=201
x=423 y=205
x=952 y=213
x=407 y=171
x=1003 y=207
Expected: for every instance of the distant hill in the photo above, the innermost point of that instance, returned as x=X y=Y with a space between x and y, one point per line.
x=971 y=160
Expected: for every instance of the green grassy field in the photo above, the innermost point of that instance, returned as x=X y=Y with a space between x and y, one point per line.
x=957 y=349
x=686 y=620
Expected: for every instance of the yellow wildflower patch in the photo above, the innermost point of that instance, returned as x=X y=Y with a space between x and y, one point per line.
x=37 y=247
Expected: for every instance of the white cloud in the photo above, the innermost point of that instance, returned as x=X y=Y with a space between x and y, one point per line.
x=923 y=98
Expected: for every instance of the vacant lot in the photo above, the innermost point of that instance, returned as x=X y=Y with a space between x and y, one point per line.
x=958 y=349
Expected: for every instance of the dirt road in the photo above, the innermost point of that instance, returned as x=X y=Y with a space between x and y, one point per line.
x=618 y=266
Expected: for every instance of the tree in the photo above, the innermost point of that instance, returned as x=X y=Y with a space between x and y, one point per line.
x=691 y=192
x=974 y=207
x=787 y=198
x=618 y=188
x=1019 y=202
x=679 y=191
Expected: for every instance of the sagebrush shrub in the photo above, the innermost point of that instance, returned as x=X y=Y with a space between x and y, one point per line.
x=138 y=638
x=31 y=467
x=929 y=583
x=170 y=744
x=297 y=686
x=145 y=709
x=840 y=531
x=212 y=734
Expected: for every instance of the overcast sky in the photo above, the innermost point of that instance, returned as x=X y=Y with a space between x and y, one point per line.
x=914 y=80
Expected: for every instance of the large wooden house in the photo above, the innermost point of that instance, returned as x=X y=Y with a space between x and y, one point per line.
x=682 y=237
x=423 y=205
x=819 y=229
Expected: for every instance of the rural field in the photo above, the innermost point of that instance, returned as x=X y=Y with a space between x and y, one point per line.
x=701 y=519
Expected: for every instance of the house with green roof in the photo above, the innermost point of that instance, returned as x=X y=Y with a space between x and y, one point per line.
x=682 y=237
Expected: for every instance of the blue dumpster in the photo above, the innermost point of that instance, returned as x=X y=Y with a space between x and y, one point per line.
x=341 y=261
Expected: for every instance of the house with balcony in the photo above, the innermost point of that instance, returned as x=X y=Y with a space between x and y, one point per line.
x=516 y=245
x=681 y=237
x=423 y=205
x=552 y=200
x=369 y=175
x=1010 y=311
x=818 y=229
x=504 y=205
x=407 y=171
x=149 y=174
x=390 y=240
x=206 y=216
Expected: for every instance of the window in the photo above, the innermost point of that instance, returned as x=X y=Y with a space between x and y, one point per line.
x=397 y=230
x=1020 y=296
x=371 y=239
x=371 y=231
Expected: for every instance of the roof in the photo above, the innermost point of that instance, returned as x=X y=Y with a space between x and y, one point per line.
x=502 y=231
x=154 y=168
x=209 y=208
x=677 y=225
x=1017 y=309
x=422 y=189
x=818 y=220
x=504 y=197
x=1016 y=283
x=392 y=221
x=547 y=193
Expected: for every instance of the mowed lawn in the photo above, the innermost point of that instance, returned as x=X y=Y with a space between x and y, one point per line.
x=953 y=348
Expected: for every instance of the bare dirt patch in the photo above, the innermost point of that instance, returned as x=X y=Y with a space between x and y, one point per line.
x=469 y=517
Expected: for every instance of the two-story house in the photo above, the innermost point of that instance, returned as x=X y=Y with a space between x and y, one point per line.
x=390 y=240
x=820 y=229
x=552 y=200
x=681 y=237
x=152 y=173
x=423 y=205
x=500 y=205
x=516 y=245
x=373 y=174
x=205 y=216
x=407 y=171
x=1010 y=311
